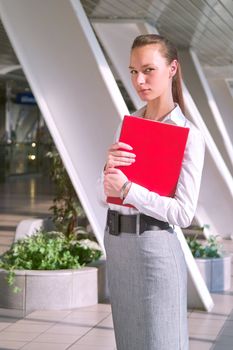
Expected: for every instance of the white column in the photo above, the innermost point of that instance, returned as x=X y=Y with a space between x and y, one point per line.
x=73 y=85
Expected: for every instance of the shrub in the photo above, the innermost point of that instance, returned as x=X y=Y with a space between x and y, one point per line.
x=48 y=251
x=211 y=249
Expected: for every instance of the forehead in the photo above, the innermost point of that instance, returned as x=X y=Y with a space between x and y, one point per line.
x=149 y=54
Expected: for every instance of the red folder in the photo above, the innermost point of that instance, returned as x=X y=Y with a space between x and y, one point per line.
x=159 y=149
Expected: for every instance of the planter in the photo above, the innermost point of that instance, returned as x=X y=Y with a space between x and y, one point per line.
x=51 y=290
x=216 y=273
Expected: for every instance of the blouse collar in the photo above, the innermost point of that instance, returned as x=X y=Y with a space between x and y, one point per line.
x=176 y=116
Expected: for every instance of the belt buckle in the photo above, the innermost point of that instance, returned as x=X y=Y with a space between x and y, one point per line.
x=113 y=222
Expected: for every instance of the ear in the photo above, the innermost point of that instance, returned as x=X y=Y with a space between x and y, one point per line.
x=173 y=68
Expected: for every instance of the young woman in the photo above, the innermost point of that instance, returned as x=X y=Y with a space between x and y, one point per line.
x=146 y=267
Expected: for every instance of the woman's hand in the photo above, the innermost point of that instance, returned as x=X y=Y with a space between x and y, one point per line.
x=114 y=179
x=116 y=157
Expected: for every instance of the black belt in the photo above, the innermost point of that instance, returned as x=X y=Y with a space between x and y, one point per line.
x=135 y=223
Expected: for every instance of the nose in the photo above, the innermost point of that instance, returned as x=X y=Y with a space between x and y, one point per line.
x=140 y=78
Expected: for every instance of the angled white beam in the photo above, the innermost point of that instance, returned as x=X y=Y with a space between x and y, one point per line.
x=224 y=99
x=117 y=39
x=215 y=204
x=73 y=85
x=198 y=87
x=198 y=294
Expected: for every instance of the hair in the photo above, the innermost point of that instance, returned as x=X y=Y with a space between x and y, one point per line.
x=169 y=52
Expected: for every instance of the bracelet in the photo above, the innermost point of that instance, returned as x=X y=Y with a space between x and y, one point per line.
x=123 y=189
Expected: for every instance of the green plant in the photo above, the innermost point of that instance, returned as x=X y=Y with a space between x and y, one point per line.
x=66 y=207
x=68 y=246
x=48 y=251
x=210 y=249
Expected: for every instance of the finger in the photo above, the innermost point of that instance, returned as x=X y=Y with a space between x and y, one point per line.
x=116 y=163
x=111 y=171
x=121 y=145
x=114 y=158
x=118 y=153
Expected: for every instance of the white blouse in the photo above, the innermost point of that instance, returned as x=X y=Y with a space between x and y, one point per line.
x=180 y=209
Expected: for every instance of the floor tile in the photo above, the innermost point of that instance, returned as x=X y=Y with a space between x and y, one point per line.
x=102 y=332
x=205 y=326
x=48 y=315
x=90 y=347
x=45 y=346
x=28 y=327
x=5 y=344
x=56 y=338
x=208 y=315
x=64 y=328
x=17 y=336
x=200 y=345
x=4 y=325
x=107 y=322
x=92 y=339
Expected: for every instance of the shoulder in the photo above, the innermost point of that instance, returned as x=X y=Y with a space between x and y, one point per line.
x=194 y=132
x=195 y=142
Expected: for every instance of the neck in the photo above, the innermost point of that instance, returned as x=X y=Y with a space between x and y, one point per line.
x=158 y=110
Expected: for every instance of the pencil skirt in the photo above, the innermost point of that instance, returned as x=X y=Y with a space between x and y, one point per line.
x=147 y=277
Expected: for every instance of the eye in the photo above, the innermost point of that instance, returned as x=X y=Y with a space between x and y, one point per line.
x=148 y=70
x=133 y=71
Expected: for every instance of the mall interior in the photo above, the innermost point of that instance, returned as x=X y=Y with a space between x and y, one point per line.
x=65 y=86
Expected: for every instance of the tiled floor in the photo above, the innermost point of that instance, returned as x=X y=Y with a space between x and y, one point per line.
x=87 y=328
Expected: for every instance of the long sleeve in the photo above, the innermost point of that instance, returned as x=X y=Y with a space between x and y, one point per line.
x=180 y=209
x=99 y=185
x=100 y=191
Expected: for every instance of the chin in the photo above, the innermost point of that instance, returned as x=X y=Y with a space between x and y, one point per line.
x=147 y=98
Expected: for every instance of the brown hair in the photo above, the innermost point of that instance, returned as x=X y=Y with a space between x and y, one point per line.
x=169 y=52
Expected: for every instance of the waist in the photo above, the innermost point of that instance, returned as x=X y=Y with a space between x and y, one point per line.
x=135 y=223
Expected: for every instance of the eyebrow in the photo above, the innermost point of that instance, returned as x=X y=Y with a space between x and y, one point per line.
x=145 y=65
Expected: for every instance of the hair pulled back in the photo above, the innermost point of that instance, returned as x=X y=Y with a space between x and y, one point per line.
x=169 y=52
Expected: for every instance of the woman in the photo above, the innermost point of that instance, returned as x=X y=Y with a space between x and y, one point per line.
x=147 y=271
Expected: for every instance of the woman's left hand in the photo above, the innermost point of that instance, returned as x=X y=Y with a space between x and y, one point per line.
x=114 y=179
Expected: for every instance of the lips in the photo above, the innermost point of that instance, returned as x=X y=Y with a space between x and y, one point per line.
x=144 y=90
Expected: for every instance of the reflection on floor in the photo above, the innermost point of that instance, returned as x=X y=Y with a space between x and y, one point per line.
x=88 y=328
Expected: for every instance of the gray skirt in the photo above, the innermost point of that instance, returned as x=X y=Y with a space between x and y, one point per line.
x=147 y=278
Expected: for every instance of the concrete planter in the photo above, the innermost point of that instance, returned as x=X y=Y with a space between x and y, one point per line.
x=51 y=290
x=216 y=273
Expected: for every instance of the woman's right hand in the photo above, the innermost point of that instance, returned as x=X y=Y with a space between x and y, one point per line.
x=119 y=157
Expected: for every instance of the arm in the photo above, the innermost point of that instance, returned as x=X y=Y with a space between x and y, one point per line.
x=118 y=155
x=179 y=210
